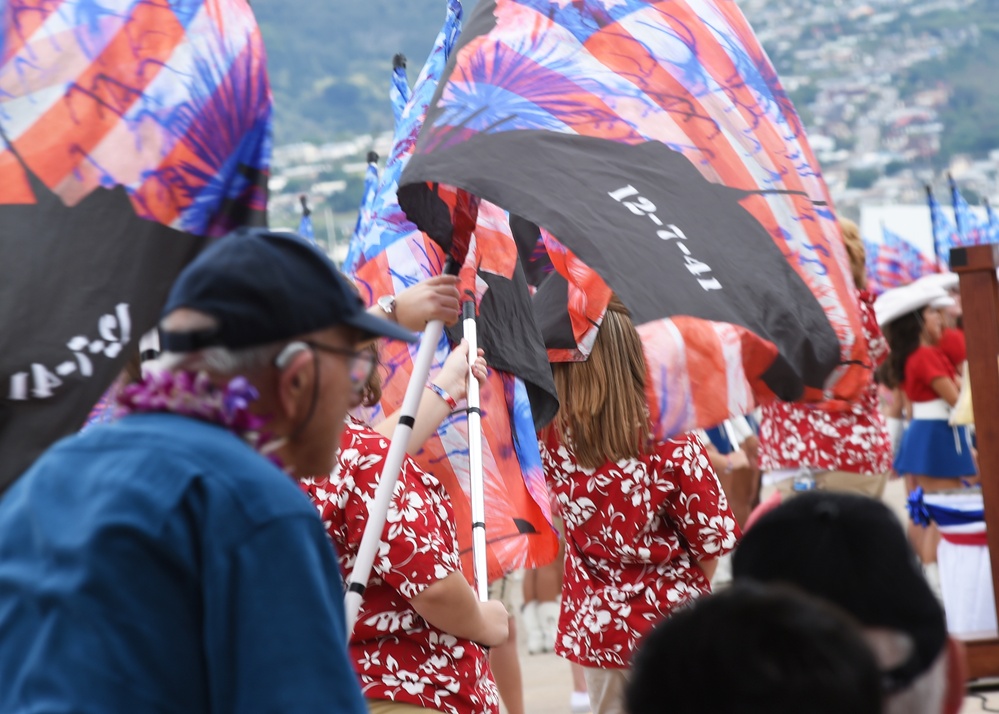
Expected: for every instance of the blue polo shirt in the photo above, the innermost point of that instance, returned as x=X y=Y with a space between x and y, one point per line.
x=159 y=564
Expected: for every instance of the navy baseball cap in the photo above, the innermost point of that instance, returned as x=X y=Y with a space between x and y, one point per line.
x=265 y=287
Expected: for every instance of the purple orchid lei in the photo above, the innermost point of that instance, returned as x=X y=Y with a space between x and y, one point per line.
x=193 y=394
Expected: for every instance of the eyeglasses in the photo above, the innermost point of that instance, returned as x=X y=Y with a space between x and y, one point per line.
x=362 y=364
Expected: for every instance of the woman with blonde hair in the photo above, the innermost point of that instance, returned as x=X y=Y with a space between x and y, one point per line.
x=833 y=446
x=644 y=518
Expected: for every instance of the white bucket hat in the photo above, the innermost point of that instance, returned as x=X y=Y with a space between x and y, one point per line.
x=946 y=281
x=893 y=304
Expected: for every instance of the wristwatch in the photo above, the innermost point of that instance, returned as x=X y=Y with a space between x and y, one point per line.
x=387 y=304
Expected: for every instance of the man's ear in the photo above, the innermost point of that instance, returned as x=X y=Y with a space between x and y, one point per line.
x=295 y=381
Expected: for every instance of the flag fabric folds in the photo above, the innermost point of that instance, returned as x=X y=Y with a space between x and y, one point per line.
x=872 y=256
x=900 y=262
x=992 y=232
x=399 y=90
x=970 y=231
x=655 y=143
x=389 y=254
x=305 y=227
x=365 y=213
x=945 y=235
x=129 y=132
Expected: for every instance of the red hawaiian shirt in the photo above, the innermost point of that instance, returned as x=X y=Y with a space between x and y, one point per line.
x=398 y=655
x=633 y=531
x=852 y=439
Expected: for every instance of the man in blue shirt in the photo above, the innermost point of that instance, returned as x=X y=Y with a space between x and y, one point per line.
x=163 y=563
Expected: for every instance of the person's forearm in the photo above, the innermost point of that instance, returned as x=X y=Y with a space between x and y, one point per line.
x=433 y=410
x=450 y=605
x=708 y=567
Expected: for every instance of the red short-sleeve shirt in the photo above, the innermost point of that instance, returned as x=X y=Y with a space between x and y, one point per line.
x=953 y=345
x=923 y=366
x=853 y=439
x=398 y=655
x=633 y=530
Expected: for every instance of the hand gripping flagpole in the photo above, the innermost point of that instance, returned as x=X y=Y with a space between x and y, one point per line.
x=378 y=511
x=476 y=486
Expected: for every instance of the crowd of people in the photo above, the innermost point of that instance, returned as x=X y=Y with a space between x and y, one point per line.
x=167 y=562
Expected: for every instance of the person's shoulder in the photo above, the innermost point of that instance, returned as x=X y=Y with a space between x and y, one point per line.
x=687 y=443
x=193 y=460
x=932 y=355
x=362 y=451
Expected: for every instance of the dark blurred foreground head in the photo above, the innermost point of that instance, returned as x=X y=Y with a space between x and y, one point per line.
x=756 y=649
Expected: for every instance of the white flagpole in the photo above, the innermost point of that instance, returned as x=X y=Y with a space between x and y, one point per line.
x=478 y=497
x=390 y=473
x=331 y=234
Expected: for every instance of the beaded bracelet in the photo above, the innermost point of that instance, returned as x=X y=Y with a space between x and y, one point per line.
x=440 y=392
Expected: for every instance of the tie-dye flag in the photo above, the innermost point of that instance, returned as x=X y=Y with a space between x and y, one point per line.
x=993 y=224
x=130 y=130
x=399 y=91
x=305 y=227
x=945 y=235
x=654 y=141
x=970 y=231
x=391 y=254
x=872 y=256
x=900 y=262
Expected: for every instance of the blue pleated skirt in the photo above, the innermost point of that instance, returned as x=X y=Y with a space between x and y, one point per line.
x=931 y=447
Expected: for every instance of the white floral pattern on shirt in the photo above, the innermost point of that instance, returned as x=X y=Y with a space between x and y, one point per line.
x=851 y=439
x=633 y=531
x=398 y=655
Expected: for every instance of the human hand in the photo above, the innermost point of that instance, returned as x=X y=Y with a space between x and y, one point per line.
x=435 y=298
x=453 y=377
x=495 y=624
x=737 y=460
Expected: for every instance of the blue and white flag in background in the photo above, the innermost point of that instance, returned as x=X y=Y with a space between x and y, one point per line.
x=945 y=234
x=305 y=228
x=970 y=230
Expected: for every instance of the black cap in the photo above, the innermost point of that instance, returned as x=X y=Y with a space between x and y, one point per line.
x=850 y=550
x=265 y=287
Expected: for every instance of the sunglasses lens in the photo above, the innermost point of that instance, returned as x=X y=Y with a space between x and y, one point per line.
x=360 y=370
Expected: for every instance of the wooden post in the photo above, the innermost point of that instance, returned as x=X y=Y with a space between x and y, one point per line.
x=976 y=267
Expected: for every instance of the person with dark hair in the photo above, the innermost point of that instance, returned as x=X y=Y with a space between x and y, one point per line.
x=851 y=551
x=165 y=561
x=932 y=455
x=952 y=342
x=756 y=649
x=645 y=518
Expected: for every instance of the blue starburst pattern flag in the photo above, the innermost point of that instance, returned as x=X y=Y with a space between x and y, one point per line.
x=305 y=228
x=389 y=223
x=130 y=133
x=365 y=212
x=969 y=230
x=399 y=91
x=945 y=234
x=993 y=224
x=388 y=254
x=872 y=256
x=900 y=261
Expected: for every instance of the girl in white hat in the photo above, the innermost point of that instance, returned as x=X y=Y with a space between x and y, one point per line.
x=932 y=455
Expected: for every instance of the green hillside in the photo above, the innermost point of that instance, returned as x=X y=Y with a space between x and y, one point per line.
x=330 y=63
x=330 y=60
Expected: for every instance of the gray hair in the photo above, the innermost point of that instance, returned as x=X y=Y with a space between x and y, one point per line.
x=222 y=361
